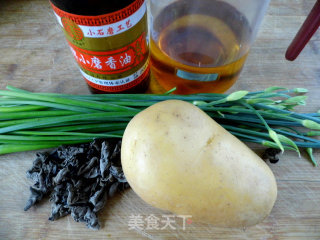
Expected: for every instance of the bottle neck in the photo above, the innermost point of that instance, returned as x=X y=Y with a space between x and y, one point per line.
x=91 y=7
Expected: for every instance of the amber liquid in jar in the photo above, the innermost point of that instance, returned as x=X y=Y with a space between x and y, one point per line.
x=199 y=50
x=98 y=8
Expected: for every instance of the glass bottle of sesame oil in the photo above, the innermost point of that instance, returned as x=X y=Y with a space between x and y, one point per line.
x=201 y=45
x=108 y=40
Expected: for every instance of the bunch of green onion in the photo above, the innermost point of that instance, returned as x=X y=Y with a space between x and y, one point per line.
x=33 y=121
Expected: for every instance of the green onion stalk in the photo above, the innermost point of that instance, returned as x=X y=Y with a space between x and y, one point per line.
x=33 y=121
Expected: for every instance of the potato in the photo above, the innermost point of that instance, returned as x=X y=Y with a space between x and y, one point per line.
x=176 y=158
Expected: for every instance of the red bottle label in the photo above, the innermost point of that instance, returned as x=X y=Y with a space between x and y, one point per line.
x=111 y=62
x=112 y=49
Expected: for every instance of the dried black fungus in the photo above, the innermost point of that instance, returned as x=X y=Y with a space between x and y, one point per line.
x=271 y=155
x=79 y=179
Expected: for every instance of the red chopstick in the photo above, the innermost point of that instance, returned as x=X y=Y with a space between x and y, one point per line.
x=309 y=27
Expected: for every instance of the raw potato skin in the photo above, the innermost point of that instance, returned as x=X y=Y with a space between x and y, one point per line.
x=176 y=158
